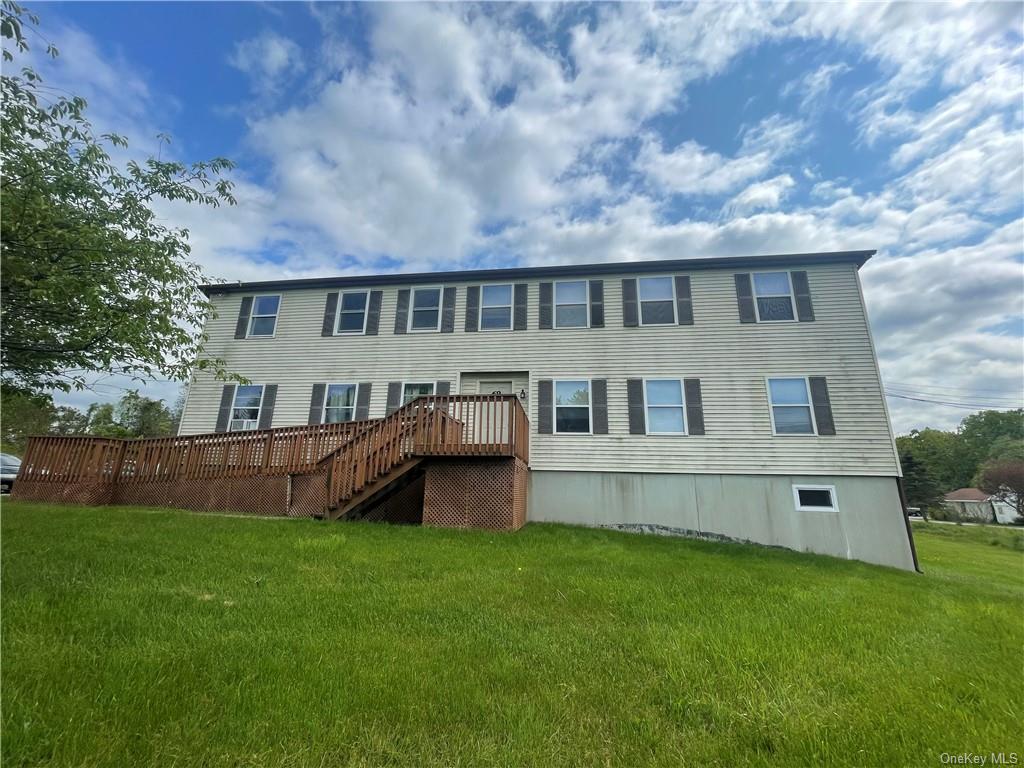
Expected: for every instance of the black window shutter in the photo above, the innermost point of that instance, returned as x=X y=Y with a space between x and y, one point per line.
x=242 y=326
x=316 y=403
x=545 y=405
x=267 y=406
x=402 y=311
x=448 y=311
x=363 y=401
x=684 y=301
x=544 y=308
x=802 y=294
x=630 y=315
x=472 y=308
x=330 y=313
x=443 y=388
x=635 y=399
x=745 y=298
x=599 y=406
x=519 y=307
x=373 y=313
x=822 y=406
x=694 y=407
x=227 y=399
x=597 y=303
x=394 y=394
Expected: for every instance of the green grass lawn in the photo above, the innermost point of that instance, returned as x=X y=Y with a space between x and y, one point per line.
x=142 y=638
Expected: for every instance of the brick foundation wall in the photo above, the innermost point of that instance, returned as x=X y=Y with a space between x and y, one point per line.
x=475 y=493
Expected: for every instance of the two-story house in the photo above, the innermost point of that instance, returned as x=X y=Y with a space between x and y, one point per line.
x=736 y=398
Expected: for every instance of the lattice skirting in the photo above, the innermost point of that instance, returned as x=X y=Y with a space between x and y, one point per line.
x=475 y=493
x=403 y=507
x=93 y=494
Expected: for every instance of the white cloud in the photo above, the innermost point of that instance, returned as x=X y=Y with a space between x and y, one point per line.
x=267 y=57
x=762 y=195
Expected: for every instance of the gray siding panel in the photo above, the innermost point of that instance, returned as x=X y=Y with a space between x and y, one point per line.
x=242 y=325
x=731 y=361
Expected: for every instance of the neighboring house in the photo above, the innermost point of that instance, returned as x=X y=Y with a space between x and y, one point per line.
x=975 y=504
x=726 y=397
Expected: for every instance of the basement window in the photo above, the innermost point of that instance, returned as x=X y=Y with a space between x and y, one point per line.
x=815 y=498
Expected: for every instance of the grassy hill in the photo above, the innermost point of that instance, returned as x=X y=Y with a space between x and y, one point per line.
x=157 y=638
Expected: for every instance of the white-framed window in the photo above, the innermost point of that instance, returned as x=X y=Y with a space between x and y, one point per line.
x=790 y=400
x=572 y=406
x=413 y=389
x=773 y=297
x=425 y=312
x=340 y=403
x=664 y=407
x=496 y=307
x=352 y=312
x=571 y=304
x=263 y=320
x=245 y=410
x=815 y=498
x=657 y=297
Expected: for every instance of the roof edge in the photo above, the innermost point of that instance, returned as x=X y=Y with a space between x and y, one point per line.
x=859 y=258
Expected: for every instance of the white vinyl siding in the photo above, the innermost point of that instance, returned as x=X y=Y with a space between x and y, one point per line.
x=732 y=362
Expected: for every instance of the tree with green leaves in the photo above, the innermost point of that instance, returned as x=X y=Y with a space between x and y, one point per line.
x=918 y=483
x=92 y=281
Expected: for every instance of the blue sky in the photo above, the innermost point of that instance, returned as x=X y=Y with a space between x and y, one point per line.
x=394 y=137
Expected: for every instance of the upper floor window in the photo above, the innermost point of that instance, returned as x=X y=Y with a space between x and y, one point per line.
x=665 y=407
x=426 y=309
x=496 y=307
x=791 y=406
x=773 y=296
x=657 y=301
x=245 y=410
x=263 y=319
x=352 y=312
x=340 y=403
x=572 y=406
x=412 y=390
x=571 y=304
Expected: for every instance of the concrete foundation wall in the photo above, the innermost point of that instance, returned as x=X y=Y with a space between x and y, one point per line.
x=869 y=524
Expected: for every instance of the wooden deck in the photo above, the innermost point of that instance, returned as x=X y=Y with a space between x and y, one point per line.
x=338 y=464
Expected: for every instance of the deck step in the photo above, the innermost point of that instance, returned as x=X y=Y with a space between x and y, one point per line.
x=372 y=488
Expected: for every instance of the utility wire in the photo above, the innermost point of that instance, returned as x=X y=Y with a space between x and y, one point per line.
x=967 y=406
x=1010 y=400
x=923 y=387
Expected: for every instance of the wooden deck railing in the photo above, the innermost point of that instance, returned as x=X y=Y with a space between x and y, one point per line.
x=436 y=425
x=285 y=450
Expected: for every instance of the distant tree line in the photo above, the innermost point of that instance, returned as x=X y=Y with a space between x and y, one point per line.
x=986 y=451
x=26 y=414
